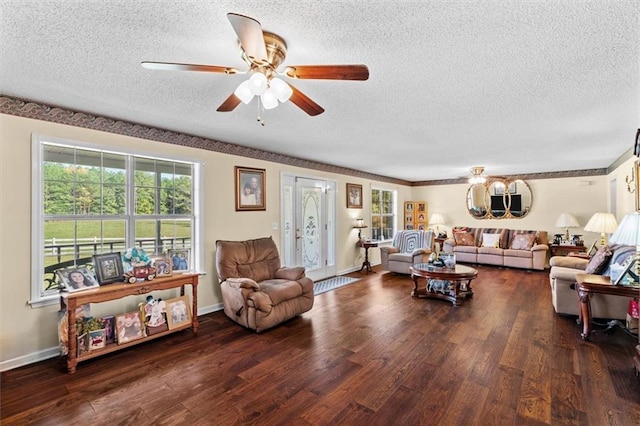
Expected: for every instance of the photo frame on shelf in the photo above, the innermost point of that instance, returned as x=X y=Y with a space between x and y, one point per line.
x=109 y=328
x=163 y=265
x=180 y=259
x=628 y=275
x=250 y=189
x=108 y=267
x=129 y=327
x=354 y=196
x=77 y=278
x=178 y=312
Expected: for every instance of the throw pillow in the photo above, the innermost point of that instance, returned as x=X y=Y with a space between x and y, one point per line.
x=523 y=241
x=599 y=261
x=490 y=240
x=464 y=238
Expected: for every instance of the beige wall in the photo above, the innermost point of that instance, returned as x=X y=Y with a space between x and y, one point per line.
x=28 y=334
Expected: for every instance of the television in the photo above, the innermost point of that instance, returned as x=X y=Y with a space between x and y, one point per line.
x=497 y=204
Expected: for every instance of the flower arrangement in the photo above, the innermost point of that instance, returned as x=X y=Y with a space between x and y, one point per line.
x=134 y=256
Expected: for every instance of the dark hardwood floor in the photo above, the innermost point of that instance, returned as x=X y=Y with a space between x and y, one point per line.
x=367 y=353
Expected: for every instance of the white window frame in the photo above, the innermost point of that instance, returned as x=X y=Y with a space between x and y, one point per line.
x=394 y=214
x=39 y=297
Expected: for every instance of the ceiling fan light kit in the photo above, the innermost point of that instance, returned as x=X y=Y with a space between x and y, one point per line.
x=263 y=52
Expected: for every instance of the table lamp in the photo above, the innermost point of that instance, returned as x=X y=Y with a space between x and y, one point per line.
x=437 y=220
x=567 y=220
x=360 y=226
x=628 y=233
x=604 y=223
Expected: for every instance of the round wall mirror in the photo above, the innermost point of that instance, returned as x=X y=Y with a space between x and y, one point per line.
x=476 y=200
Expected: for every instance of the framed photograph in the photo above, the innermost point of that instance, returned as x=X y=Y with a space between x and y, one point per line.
x=108 y=267
x=129 y=327
x=628 y=275
x=354 y=196
x=77 y=278
x=250 y=189
x=109 y=329
x=163 y=266
x=180 y=260
x=178 y=312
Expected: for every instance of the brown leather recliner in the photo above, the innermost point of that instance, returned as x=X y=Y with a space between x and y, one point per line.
x=256 y=291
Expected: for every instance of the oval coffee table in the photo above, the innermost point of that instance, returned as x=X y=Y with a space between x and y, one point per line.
x=443 y=283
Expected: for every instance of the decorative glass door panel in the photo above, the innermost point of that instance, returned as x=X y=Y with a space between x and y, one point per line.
x=311 y=232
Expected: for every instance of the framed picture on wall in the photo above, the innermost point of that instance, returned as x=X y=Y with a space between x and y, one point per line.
x=354 y=196
x=250 y=189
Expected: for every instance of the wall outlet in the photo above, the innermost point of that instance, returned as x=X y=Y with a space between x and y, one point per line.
x=274 y=225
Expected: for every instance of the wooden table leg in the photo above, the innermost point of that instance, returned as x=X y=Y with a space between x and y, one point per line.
x=72 y=340
x=585 y=313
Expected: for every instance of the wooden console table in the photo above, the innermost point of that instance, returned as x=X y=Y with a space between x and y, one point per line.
x=588 y=284
x=116 y=291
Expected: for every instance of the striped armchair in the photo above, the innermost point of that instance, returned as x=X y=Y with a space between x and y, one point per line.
x=407 y=249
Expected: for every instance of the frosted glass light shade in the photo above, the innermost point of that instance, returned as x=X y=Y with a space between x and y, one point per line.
x=269 y=100
x=243 y=92
x=258 y=83
x=281 y=89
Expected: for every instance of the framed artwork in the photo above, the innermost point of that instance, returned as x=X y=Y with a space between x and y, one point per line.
x=163 y=265
x=250 y=189
x=77 y=279
x=628 y=275
x=178 y=312
x=129 y=327
x=354 y=196
x=180 y=260
x=108 y=267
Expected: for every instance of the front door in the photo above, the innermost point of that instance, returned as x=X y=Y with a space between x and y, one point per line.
x=308 y=225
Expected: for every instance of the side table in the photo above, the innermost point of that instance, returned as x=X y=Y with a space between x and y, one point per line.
x=563 y=250
x=366 y=245
x=588 y=284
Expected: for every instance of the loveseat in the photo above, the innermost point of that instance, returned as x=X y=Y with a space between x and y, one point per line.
x=256 y=291
x=499 y=246
x=408 y=248
x=562 y=278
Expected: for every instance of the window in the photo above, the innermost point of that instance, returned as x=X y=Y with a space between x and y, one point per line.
x=88 y=200
x=383 y=214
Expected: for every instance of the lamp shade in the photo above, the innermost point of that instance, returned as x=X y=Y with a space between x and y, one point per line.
x=604 y=223
x=436 y=219
x=243 y=92
x=360 y=224
x=567 y=220
x=628 y=231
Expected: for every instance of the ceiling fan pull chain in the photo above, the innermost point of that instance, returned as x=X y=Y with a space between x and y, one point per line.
x=260 y=112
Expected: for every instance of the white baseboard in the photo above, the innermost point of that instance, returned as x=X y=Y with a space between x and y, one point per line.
x=53 y=352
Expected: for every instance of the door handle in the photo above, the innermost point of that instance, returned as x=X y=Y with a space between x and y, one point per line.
x=298 y=236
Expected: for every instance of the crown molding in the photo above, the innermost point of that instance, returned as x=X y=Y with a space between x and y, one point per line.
x=37 y=111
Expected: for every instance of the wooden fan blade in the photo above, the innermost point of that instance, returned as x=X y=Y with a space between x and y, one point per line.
x=229 y=104
x=305 y=103
x=169 y=66
x=328 y=72
x=249 y=32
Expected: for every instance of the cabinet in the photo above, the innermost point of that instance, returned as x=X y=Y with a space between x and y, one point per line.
x=117 y=291
x=416 y=215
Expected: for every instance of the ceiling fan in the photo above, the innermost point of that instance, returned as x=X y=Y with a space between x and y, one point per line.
x=263 y=52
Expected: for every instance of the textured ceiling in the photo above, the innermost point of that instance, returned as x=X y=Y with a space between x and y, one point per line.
x=516 y=86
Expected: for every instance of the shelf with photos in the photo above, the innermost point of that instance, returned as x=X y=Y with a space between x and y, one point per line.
x=81 y=336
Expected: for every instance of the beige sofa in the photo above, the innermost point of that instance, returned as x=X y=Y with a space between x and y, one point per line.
x=562 y=278
x=500 y=247
x=256 y=291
